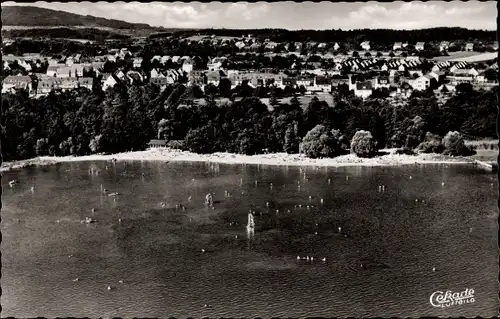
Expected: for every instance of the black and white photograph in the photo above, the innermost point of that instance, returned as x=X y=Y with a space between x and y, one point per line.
x=249 y=159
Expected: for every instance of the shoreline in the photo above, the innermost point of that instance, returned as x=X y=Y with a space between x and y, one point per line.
x=275 y=159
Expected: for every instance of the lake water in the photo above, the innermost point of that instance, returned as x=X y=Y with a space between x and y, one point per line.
x=157 y=251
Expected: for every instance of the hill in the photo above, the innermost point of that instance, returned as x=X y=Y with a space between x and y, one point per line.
x=41 y=17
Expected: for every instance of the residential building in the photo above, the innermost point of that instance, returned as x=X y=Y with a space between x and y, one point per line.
x=161 y=82
x=240 y=44
x=46 y=85
x=363 y=89
x=404 y=90
x=469 y=47
x=12 y=82
x=422 y=83
x=366 y=45
x=213 y=77
x=420 y=46
x=444 y=45
x=173 y=76
x=164 y=59
x=322 y=84
x=336 y=46
x=110 y=82
x=467 y=72
x=137 y=62
x=187 y=65
x=155 y=58
x=397 y=46
x=305 y=81
x=381 y=82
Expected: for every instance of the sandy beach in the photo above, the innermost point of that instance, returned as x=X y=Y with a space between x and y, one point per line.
x=171 y=155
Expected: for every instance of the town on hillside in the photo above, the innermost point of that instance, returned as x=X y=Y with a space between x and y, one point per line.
x=226 y=65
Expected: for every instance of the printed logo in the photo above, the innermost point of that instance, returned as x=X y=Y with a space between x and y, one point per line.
x=447 y=299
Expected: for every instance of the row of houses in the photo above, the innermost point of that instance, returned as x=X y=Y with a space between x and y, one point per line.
x=41 y=84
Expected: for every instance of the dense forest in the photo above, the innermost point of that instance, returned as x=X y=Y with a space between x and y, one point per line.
x=378 y=36
x=84 y=34
x=125 y=118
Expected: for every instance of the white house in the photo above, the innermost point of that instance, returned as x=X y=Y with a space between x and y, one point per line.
x=188 y=65
x=420 y=46
x=137 y=62
x=397 y=46
x=109 y=82
x=336 y=46
x=444 y=45
x=363 y=89
x=469 y=47
x=422 y=83
x=366 y=45
x=305 y=81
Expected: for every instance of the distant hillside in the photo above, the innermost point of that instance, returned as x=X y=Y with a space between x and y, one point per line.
x=53 y=33
x=34 y=16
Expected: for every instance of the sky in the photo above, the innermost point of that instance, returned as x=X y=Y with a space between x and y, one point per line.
x=291 y=15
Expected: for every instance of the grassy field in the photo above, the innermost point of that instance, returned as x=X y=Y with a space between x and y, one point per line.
x=471 y=57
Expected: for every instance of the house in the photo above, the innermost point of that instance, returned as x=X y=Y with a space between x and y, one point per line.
x=271 y=45
x=322 y=83
x=422 y=83
x=111 y=58
x=173 y=76
x=154 y=74
x=134 y=77
x=213 y=78
x=444 y=45
x=447 y=87
x=137 y=62
x=155 y=58
x=336 y=46
x=366 y=45
x=420 y=46
x=161 y=82
x=157 y=144
x=176 y=58
x=381 y=82
x=402 y=68
x=256 y=79
x=404 y=90
x=467 y=72
x=124 y=53
x=12 y=82
x=291 y=82
x=240 y=44
x=469 y=47
x=110 y=82
x=397 y=46
x=25 y=65
x=164 y=59
x=304 y=81
x=322 y=45
x=187 y=65
x=120 y=75
x=384 y=67
x=215 y=64
x=70 y=61
x=363 y=89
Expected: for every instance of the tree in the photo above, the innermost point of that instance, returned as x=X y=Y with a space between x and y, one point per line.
x=379 y=54
x=319 y=142
x=292 y=140
x=432 y=144
x=355 y=54
x=363 y=144
x=200 y=140
x=42 y=146
x=368 y=54
x=454 y=145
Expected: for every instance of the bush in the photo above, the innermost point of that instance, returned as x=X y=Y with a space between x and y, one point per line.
x=319 y=142
x=454 y=145
x=432 y=144
x=363 y=144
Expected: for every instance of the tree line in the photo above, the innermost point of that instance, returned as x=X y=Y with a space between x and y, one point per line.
x=82 y=121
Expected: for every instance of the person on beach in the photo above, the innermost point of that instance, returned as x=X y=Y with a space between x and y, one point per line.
x=209 y=200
